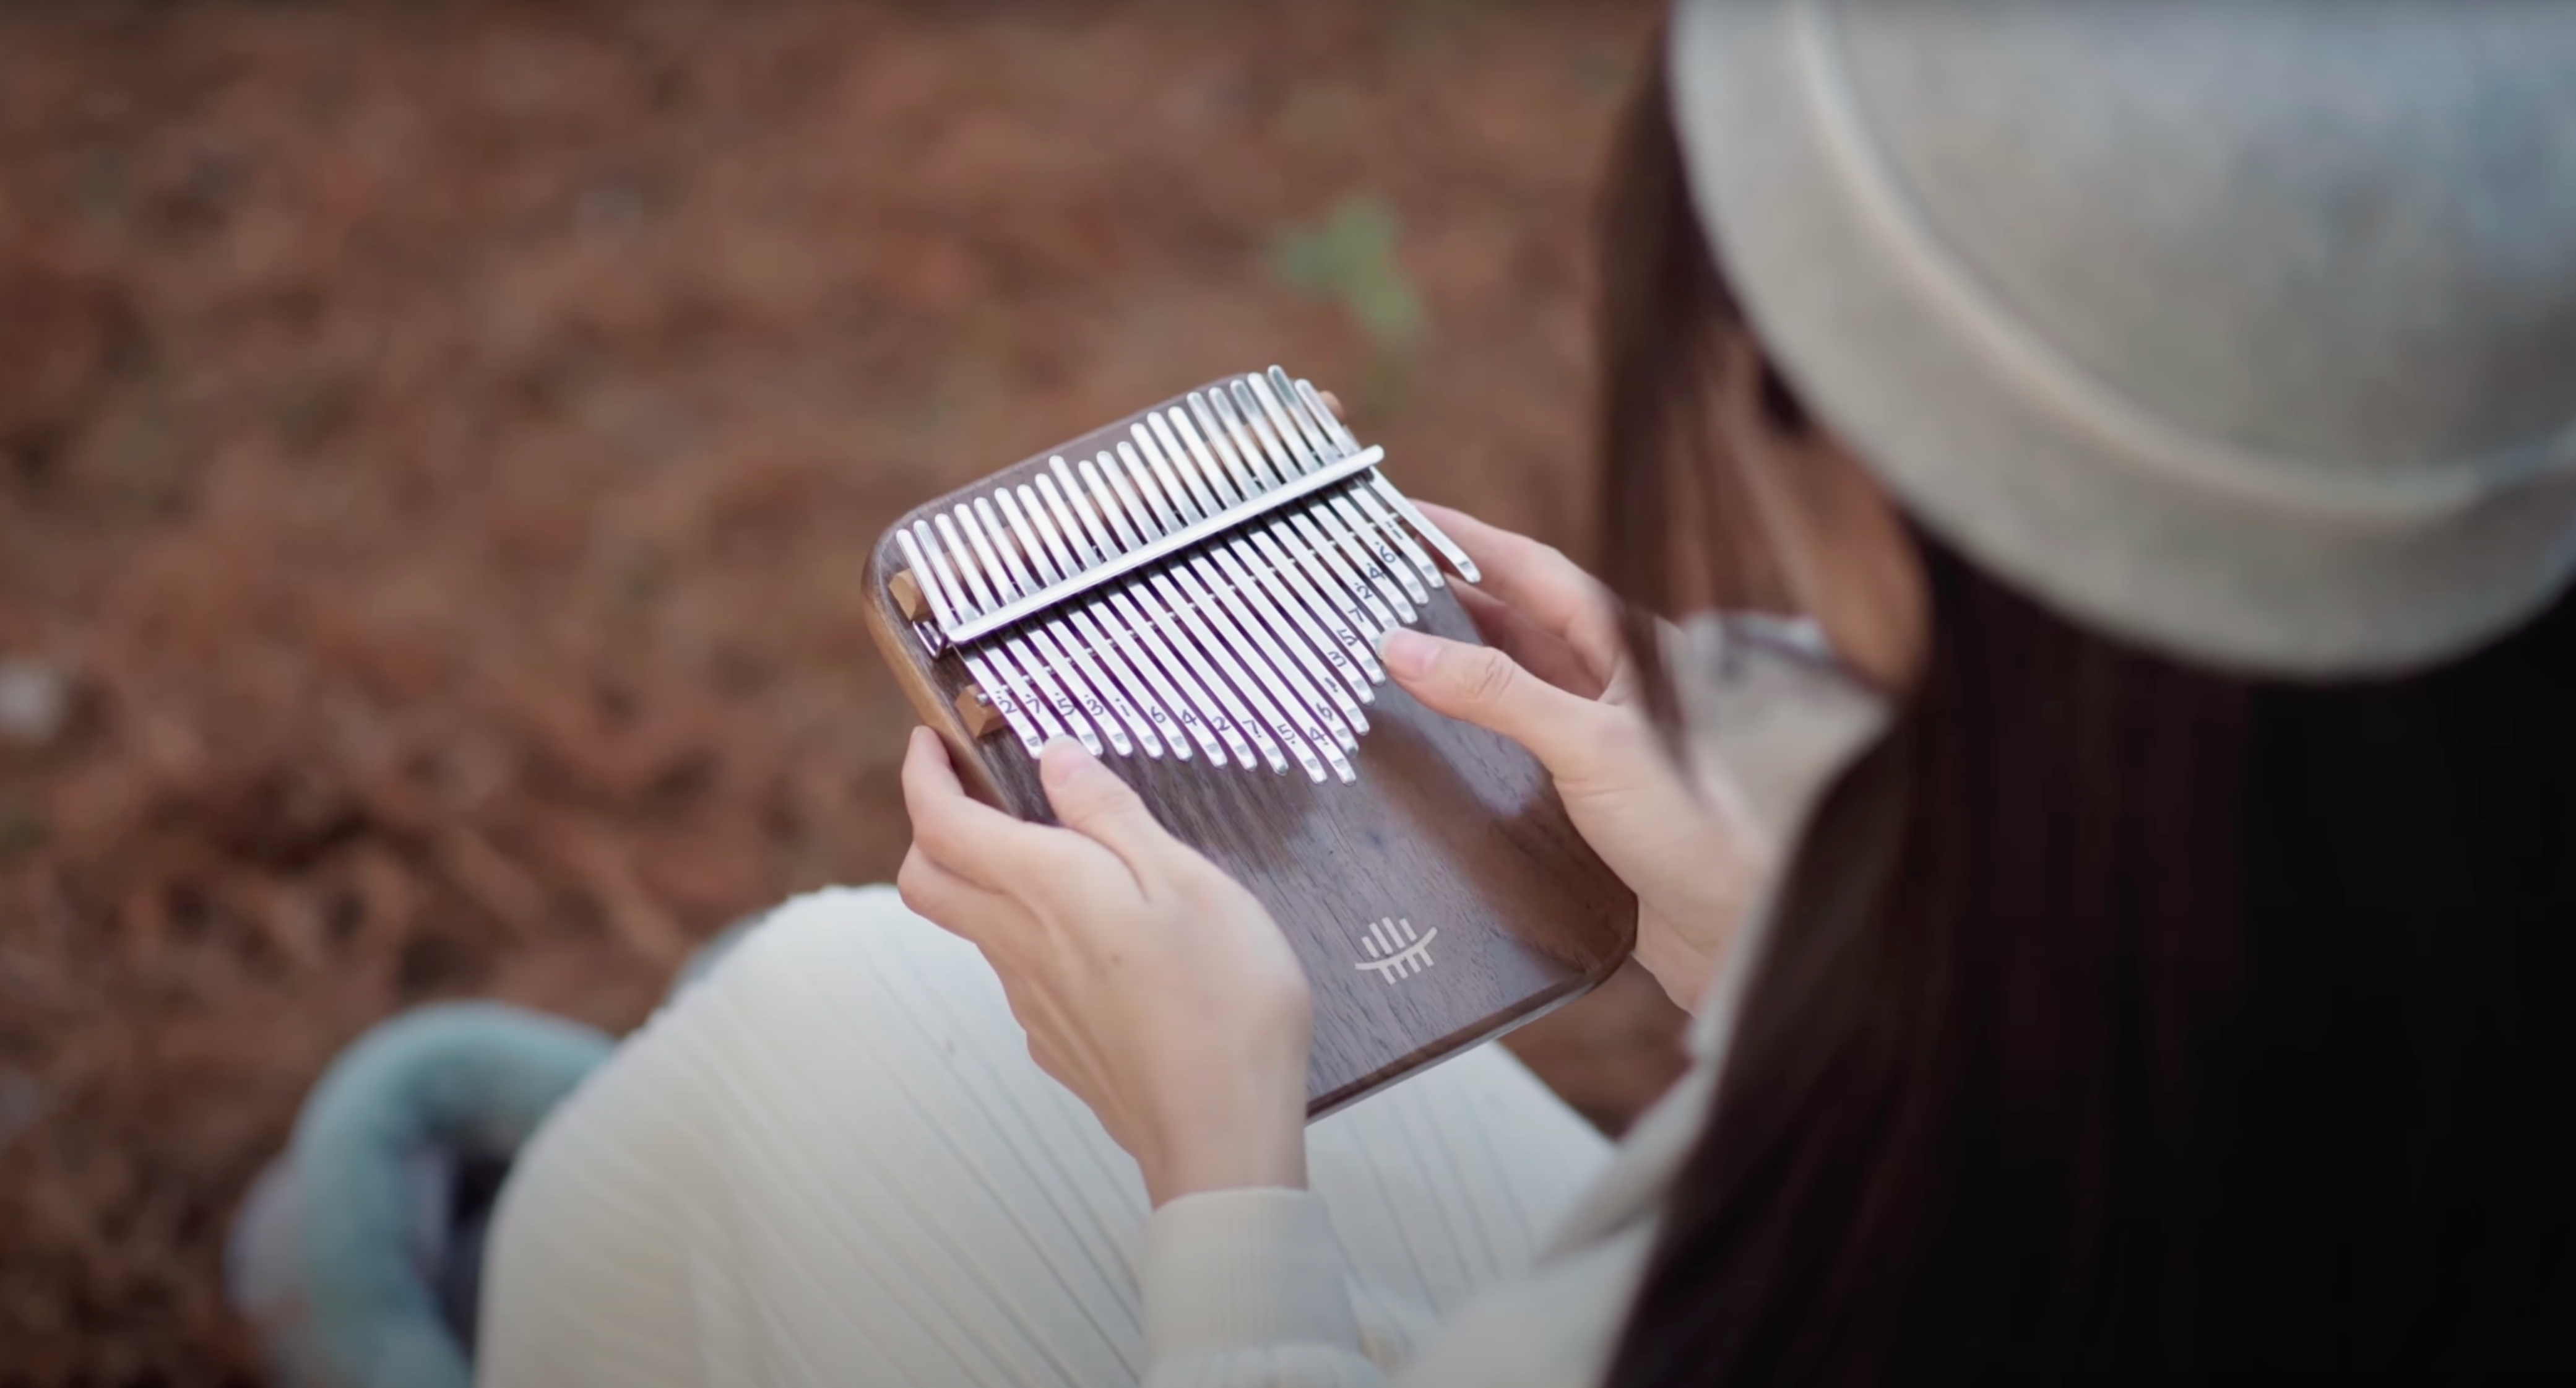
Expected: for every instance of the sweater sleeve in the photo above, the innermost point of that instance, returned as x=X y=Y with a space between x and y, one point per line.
x=1248 y=1289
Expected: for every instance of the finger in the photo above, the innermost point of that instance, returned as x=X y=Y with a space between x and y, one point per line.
x=1334 y=403
x=1483 y=686
x=1551 y=590
x=1538 y=652
x=1093 y=802
x=956 y=905
x=986 y=847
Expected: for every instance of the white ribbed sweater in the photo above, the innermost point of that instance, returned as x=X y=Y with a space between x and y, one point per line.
x=832 y=1163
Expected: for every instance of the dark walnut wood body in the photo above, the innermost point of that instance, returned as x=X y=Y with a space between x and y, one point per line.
x=1449 y=827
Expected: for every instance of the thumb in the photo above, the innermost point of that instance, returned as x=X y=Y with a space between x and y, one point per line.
x=1090 y=799
x=1481 y=685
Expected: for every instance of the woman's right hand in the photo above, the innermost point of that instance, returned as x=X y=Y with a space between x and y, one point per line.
x=1557 y=680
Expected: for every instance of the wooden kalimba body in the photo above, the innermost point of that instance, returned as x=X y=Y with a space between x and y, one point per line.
x=1195 y=593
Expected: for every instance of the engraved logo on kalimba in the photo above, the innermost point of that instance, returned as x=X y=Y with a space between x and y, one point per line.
x=1394 y=950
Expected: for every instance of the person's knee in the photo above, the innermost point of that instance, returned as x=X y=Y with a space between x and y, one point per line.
x=828 y=931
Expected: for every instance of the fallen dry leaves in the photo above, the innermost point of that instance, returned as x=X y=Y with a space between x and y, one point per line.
x=438 y=445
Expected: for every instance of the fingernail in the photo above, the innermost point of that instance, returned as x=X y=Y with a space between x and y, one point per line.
x=1062 y=761
x=1408 y=653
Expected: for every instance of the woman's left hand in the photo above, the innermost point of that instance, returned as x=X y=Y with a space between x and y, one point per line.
x=1151 y=984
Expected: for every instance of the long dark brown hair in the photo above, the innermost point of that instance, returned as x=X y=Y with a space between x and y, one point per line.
x=2123 y=1022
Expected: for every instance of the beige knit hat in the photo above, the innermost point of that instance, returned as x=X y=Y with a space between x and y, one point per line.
x=2244 y=329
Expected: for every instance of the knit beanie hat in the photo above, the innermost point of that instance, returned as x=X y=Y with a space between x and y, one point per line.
x=2242 y=329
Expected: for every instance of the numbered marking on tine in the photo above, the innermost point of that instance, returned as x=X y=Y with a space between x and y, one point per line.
x=1413 y=516
x=1393 y=528
x=1359 y=528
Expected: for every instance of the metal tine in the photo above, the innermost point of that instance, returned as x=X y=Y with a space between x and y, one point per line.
x=1199 y=620
x=1085 y=557
x=1267 y=633
x=1202 y=715
x=1216 y=416
x=1322 y=516
x=999 y=542
x=1312 y=609
x=1093 y=547
x=1011 y=654
x=1214 y=709
x=1108 y=649
x=1329 y=590
x=1276 y=535
x=1021 y=507
x=1360 y=549
x=1018 y=720
x=1198 y=458
x=1260 y=600
x=1117 y=507
x=1252 y=711
x=1119 y=501
x=1238 y=429
x=992 y=667
x=1344 y=441
x=1439 y=539
x=1305 y=420
x=1306 y=449
x=1394 y=529
x=1309 y=451
x=1084 y=550
x=1131 y=658
x=1176 y=465
x=1323 y=658
x=985 y=600
x=1293 y=407
x=1176 y=508
x=1075 y=671
x=1286 y=651
x=1038 y=669
x=1249 y=405
x=1166 y=511
x=1078 y=644
x=1276 y=651
x=1377 y=560
x=1041 y=703
x=1036 y=693
x=1227 y=421
x=1421 y=523
x=1367 y=533
x=1166 y=514
x=1323 y=530
x=1322 y=557
x=1221 y=458
x=1279 y=397
x=1039 y=555
x=1295 y=560
x=1157 y=513
x=1076 y=677
x=916 y=558
x=1084 y=644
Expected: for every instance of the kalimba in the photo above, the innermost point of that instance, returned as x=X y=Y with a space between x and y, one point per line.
x=1196 y=593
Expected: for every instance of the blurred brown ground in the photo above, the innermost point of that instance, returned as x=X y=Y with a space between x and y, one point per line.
x=439 y=443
